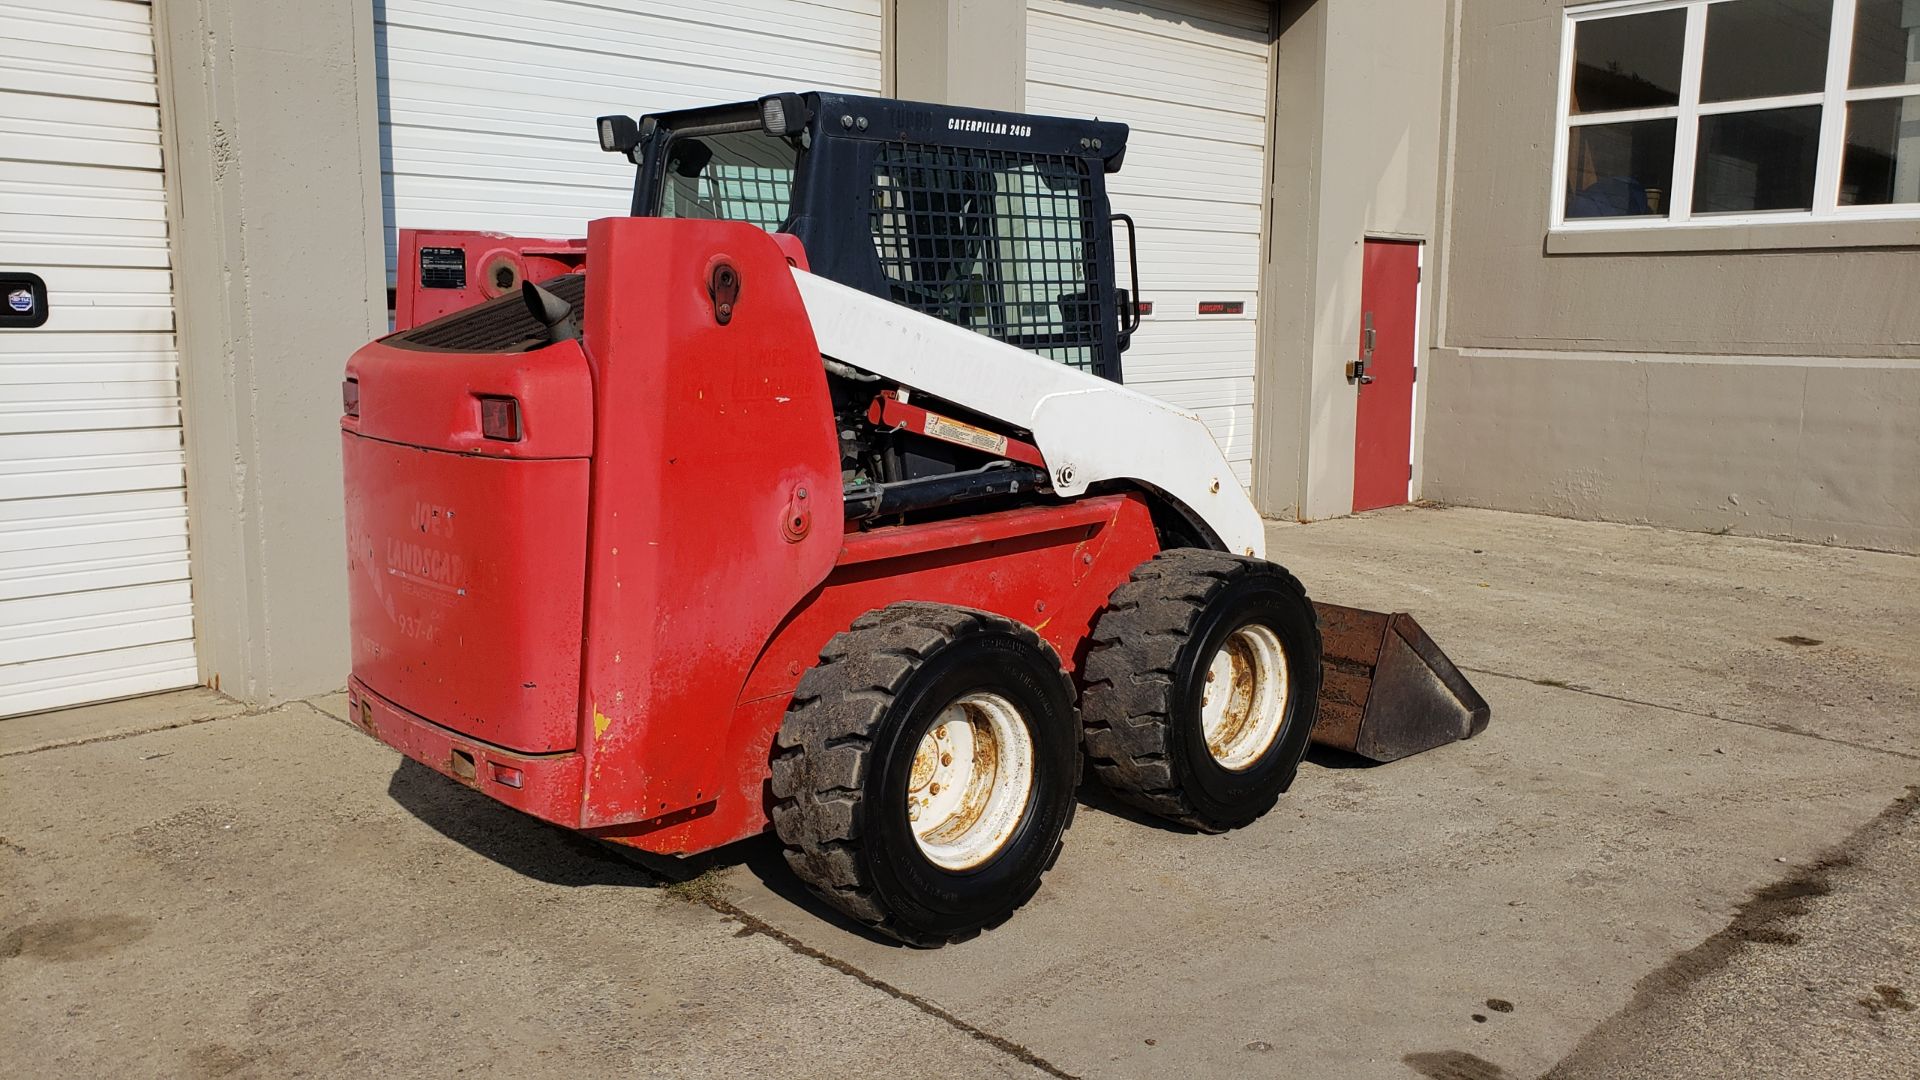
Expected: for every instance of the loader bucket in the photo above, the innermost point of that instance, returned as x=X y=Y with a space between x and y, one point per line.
x=1386 y=689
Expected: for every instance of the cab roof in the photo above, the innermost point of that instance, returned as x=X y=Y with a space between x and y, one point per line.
x=828 y=115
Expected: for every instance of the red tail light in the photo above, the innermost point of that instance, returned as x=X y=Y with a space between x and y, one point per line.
x=500 y=418
x=350 y=397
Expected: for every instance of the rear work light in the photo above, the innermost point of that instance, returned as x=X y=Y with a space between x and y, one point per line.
x=500 y=418
x=618 y=134
x=783 y=114
x=350 y=397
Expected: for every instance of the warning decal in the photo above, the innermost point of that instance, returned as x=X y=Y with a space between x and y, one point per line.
x=954 y=431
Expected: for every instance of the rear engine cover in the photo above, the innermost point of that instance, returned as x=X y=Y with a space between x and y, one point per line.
x=467 y=576
x=466 y=551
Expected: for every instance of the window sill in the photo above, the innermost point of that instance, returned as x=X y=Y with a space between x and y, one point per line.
x=1770 y=236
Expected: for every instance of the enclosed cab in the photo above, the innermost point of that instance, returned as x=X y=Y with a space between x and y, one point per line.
x=998 y=222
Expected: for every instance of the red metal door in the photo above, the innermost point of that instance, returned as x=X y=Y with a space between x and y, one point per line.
x=1383 y=424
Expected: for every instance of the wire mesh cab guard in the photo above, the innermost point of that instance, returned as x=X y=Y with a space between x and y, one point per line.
x=994 y=221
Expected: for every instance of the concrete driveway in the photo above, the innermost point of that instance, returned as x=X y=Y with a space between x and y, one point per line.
x=1685 y=846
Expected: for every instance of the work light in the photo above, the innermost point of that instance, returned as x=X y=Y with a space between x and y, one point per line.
x=783 y=114
x=618 y=134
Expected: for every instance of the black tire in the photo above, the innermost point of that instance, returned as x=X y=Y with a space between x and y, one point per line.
x=1145 y=672
x=844 y=753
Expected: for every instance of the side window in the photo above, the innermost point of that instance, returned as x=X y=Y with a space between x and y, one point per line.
x=993 y=241
x=730 y=176
x=1041 y=253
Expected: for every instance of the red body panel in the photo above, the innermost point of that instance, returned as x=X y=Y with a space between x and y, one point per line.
x=544 y=785
x=1383 y=424
x=706 y=553
x=1049 y=567
x=492 y=265
x=463 y=579
x=432 y=399
x=465 y=569
x=711 y=441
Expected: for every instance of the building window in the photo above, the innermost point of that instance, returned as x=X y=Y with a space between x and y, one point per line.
x=1705 y=112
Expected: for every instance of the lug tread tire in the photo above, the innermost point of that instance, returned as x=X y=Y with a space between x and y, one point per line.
x=824 y=745
x=1129 y=677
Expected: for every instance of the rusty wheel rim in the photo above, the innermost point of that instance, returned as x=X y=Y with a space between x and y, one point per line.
x=971 y=781
x=1243 y=698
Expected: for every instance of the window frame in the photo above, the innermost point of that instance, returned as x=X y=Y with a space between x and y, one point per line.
x=1833 y=99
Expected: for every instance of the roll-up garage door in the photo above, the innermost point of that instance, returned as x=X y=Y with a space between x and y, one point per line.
x=1190 y=78
x=94 y=595
x=487 y=106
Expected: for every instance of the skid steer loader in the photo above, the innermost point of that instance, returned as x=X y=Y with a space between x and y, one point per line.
x=810 y=498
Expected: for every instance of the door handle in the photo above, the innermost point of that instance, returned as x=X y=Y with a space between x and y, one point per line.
x=1357 y=369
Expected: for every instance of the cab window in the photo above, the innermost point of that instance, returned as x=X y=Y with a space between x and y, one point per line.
x=729 y=176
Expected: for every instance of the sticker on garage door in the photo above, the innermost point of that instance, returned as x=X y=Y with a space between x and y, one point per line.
x=26 y=296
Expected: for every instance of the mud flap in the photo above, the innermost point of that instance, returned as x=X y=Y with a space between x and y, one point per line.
x=1386 y=689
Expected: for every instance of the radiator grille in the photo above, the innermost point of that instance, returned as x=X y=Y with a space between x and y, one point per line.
x=1001 y=242
x=496 y=326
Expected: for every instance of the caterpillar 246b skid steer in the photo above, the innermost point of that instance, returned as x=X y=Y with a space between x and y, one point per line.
x=809 y=497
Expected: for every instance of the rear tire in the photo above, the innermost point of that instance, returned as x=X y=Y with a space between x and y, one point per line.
x=1210 y=753
x=925 y=772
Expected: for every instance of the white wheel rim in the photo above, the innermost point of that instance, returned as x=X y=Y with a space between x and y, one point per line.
x=972 y=775
x=1243 y=697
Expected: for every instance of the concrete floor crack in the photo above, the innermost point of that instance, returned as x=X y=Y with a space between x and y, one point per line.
x=998 y=1042
x=1762 y=725
x=116 y=736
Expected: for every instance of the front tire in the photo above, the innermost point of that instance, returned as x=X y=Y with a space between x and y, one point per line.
x=1201 y=687
x=925 y=772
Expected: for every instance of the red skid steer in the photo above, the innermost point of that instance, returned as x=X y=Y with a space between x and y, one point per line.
x=810 y=498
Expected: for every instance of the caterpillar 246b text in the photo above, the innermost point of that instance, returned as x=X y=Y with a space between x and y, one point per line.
x=809 y=498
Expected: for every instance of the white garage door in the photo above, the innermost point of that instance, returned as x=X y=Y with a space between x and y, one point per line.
x=1190 y=78
x=94 y=597
x=487 y=106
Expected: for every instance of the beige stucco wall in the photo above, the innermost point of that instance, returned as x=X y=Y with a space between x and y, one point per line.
x=959 y=52
x=1356 y=153
x=273 y=170
x=1771 y=389
x=1808 y=449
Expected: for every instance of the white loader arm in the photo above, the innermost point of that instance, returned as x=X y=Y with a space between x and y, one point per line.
x=1087 y=428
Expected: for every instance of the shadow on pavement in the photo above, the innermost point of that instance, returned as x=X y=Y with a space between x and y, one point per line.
x=549 y=853
x=520 y=843
x=1328 y=758
x=764 y=860
x=558 y=856
x=1093 y=796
